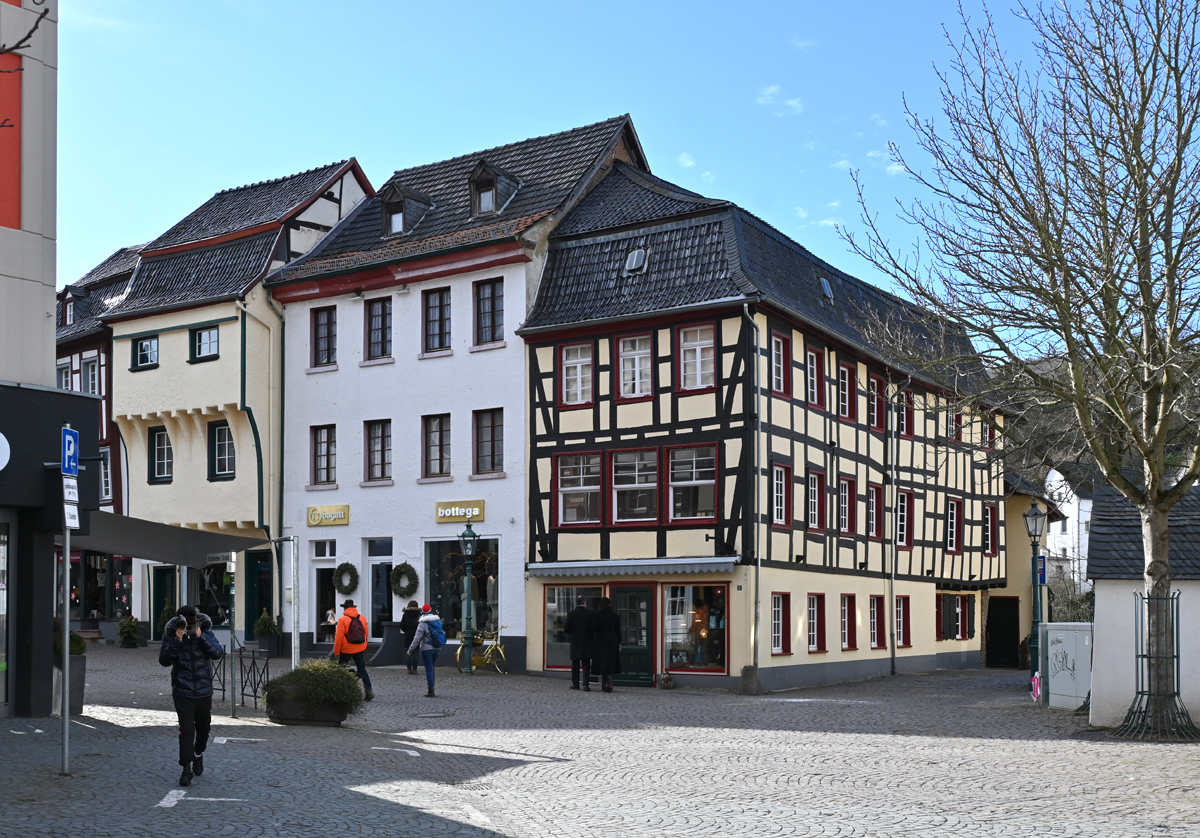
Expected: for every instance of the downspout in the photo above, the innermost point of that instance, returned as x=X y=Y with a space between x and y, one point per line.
x=891 y=443
x=245 y=408
x=754 y=629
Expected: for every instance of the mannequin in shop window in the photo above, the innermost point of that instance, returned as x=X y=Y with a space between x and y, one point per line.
x=698 y=631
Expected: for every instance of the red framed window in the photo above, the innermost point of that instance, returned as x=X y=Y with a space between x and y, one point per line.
x=849 y=620
x=875 y=511
x=956 y=426
x=634 y=476
x=954 y=526
x=904 y=520
x=575 y=383
x=636 y=358
x=989 y=434
x=781 y=364
x=903 y=634
x=781 y=620
x=781 y=496
x=991 y=532
x=697 y=357
x=692 y=472
x=878 y=623
x=816 y=623
x=815 y=502
x=847 y=506
x=876 y=402
x=907 y=415
x=814 y=377
x=577 y=479
x=848 y=392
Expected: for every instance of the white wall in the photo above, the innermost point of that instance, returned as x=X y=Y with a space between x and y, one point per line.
x=403 y=390
x=1113 y=673
x=1070 y=535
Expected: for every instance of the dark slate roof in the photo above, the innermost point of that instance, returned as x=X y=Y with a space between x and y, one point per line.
x=1083 y=477
x=98 y=291
x=198 y=275
x=549 y=170
x=243 y=207
x=1115 y=542
x=630 y=196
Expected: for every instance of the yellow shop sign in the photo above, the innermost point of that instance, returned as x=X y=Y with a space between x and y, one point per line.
x=457 y=511
x=329 y=516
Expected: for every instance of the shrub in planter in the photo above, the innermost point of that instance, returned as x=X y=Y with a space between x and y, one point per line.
x=267 y=633
x=165 y=617
x=129 y=632
x=319 y=692
x=78 y=667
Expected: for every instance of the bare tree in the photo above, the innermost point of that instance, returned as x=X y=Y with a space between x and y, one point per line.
x=1061 y=236
x=16 y=47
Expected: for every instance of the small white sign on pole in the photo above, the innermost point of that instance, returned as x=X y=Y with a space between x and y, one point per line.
x=71 y=489
x=71 y=516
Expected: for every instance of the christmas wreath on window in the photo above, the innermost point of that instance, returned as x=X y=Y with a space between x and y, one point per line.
x=344 y=570
x=404 y=580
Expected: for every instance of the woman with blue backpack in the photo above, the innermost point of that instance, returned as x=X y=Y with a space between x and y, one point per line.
x=429 y=640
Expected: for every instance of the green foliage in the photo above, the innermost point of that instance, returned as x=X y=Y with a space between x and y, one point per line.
x=129 y=630
x=323 y=682
x=165 y=617
x=264 y=626
x=78 y=645
x=404 y=580
x=349 y=573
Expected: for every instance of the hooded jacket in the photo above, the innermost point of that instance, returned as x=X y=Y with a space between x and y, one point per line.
x=410 y=618
x=423 y=639
x=342 y=646
x=190 y=659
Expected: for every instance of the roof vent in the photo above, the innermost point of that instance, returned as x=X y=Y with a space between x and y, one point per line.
x=635 y=261
x=825 y=287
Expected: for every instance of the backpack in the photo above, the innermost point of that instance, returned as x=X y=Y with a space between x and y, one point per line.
x=356 y=632
x=437 y=635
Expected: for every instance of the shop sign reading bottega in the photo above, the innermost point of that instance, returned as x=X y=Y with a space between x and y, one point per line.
x=329 y=516
x=458 y=511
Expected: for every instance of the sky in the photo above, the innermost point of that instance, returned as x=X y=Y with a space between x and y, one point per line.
x=767 y=104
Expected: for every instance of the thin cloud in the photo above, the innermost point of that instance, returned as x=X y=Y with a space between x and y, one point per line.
x=708 y=177
x=803 y=45
x=767 y=96
x=800 y=213
x=842 y=164
x=878 y=121
x=811 y=145
x=829 y=222
x=874 y=154
x=795 y=105
x=894 y=169
x=834 y=204
x=686 y=160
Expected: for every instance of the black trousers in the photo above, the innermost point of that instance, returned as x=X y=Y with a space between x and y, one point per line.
x=360 y=664
x=195 y=718
x=587 y=671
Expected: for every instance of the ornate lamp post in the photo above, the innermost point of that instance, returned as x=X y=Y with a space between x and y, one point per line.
x=467 y=543
x=1035 y=524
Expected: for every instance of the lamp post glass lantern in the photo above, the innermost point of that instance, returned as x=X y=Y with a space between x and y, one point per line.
x=467 y=543
x=1035 y=524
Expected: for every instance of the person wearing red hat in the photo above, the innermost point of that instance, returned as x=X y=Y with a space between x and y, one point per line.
x=429 y=639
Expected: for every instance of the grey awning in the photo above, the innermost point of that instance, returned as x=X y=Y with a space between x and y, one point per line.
x=632 y=567
x=127 y=536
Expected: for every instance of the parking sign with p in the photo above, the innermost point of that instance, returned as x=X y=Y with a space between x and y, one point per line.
x=70 y=452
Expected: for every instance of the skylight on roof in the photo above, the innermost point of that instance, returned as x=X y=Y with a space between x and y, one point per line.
x=827 y=289
x=635 y=261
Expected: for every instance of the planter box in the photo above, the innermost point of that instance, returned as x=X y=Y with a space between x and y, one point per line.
x=268 y=644
x=78 y=680
x=286 y=706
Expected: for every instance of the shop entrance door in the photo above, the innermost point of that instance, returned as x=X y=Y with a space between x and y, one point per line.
x=635 y=608
x=1003 y=632
x=258 y=588
x=163 y=595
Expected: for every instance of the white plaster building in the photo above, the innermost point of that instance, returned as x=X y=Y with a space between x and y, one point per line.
x=1070 y=486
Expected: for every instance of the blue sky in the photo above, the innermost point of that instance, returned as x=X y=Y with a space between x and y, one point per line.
x=769 y=105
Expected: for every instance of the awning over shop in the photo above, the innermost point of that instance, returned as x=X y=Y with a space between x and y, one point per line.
x=127 y=536
x=634 y=567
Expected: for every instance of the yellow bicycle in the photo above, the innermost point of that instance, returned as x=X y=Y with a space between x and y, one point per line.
x=486 y=650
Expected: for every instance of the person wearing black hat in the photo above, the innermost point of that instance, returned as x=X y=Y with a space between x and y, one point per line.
x=189 y=647
x=350 y=641
x=580 y=628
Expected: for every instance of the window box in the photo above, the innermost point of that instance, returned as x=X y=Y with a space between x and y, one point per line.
x=378 y=328
x=847 y=508
x=878 y=623
x=694 y=629
x=378 y=438
x=876 y=403
x=954 y=526
x=324 y=455
x=145 y=353
x=489 y=441
x=903 y=630
x=436 y=446
x=905 y=520
x=875 y=511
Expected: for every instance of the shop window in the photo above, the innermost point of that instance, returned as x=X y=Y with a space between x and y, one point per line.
x=446 y=590
x=560 y=600
x=697 y=358
x=577 y=374
x=221 y=457
x=327 y=603
x=437 y=320
x=878 y=623
x=875 y=510
x=693 y=483
x=814 y=377
x=694 y=628
x=489 y=441
x=954 y=526
x=381 y=591
x=781 y=496
x=324 y=454
x=816 y=501
x=816 y=623
x=578 y=488
x=216 y=593
x=379 y=328
x=904 y=519
x=781 y=365
x=324 y=336
x=489 y=311
x=849 y=620
x=903 y=635
x=437 y=445
x=847 y=506
x=876 y=402
x=847 y=392
x=635 y=486
x=781 y=634
x=162 y=457
x=636 y=367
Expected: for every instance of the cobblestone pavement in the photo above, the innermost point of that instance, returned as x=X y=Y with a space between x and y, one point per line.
x=949 y=753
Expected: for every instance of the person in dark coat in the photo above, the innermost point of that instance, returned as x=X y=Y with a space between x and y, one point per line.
x=409 y=619
x=606 y=650
x=189 y=647
x=579 y=629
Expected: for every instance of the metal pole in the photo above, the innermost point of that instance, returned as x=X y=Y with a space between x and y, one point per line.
x=1034 y=642
x=295 y=539
x=66 y=650
x=468 y=616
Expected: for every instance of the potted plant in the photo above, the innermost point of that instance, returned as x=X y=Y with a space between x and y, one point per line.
x=78 y=672
x=319 y=692
x=267 y=633
x=165 y=617
x=129 y=632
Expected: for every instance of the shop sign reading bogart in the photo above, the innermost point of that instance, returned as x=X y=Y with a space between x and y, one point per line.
x=457 y=511
x=329 y=516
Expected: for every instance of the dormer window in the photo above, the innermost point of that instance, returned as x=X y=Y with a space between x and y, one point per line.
x=485 y=196
x=491 y=188
x=403 y=208
x=395 y=217
x=69 y=312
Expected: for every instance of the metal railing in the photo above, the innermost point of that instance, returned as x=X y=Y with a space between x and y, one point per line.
x=255 y=669
x=1157 y=711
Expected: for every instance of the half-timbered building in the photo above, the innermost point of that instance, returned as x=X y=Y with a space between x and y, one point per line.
x=717 y=446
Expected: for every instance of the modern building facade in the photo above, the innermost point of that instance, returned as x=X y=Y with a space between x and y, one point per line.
x=1071 y=485
x=406 y=402
x=717 y=447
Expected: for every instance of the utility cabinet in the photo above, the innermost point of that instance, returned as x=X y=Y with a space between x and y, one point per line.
x=1066 y=664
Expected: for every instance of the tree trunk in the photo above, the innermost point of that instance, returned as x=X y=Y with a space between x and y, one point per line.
x=1161 y=708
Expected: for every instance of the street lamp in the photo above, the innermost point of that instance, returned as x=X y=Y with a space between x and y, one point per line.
x=1035 y=524
x=467 y=543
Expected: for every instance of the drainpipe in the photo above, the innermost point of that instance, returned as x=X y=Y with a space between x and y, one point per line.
x=891 y=444
x=754 y=629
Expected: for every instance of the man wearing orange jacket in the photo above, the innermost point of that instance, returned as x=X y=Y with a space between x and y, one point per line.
x=350 y=641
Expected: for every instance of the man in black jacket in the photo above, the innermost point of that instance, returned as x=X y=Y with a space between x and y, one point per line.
x=579 y=628
x=189 y=647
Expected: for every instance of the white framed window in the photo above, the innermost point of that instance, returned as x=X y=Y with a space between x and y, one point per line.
x=577 y=374
x=63 y=373
x=876 y=622
x=636 y=376
x=696 y=352
x=162 y=458
x=846 y=387
x=146 y=351
x=777 y=624
x=954 y=525
x=902 y=621
x=846 y=617
x=579 y=489
x=779 y=494
x=207 y=342
x=778 y=364
x=816 y=619
x=635 y=486
x=874 y=505
x=105 y=474
x=814 y=373
x=693 y=483
x=89 y=378
x=69 y=314
x=846 y=500
x=816 y=500
x=223 y=459
x=903 y=523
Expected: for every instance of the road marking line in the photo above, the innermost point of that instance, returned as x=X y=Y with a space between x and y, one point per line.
x=175 y=795
x=225 y=740
x=401 y=750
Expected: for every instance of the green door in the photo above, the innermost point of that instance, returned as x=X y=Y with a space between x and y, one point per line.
x=635 y=608
x=258 y=588
x=162 y=594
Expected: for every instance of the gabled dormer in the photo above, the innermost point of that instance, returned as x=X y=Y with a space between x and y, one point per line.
x=491 y=188
x=403 y=208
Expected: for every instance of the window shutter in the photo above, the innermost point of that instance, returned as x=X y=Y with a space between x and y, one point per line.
x=949 y=617
x=970 y=604
x=939 y=619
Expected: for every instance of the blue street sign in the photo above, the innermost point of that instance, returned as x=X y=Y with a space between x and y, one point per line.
x=1041 y=570
x=70 y=452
